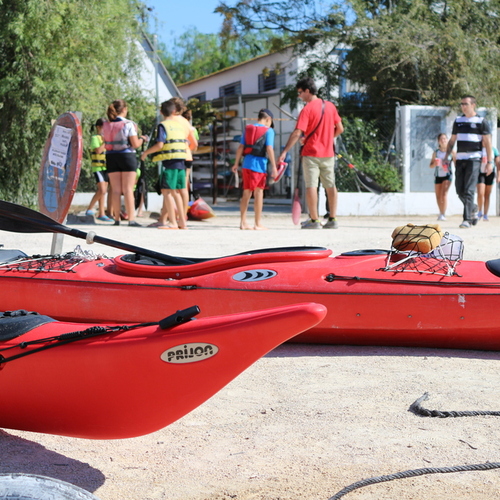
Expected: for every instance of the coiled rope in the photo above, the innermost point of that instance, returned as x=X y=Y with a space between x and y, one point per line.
x=417 y=408
x=414 y=473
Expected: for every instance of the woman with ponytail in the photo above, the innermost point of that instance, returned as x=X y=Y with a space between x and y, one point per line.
x=120 y=138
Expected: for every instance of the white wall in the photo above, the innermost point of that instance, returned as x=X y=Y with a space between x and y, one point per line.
x=247 y=72
x=152 y=78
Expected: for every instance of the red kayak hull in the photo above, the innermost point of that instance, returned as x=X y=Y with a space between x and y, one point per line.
x=366 y=305
x=127 y=384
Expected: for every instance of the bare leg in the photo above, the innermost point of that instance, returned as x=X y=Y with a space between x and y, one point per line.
x=128 y=183
x=93 y=201
x=109 y=203
x=181 y=207
x=115 y=179
x=312 y=203
x=332 y=195
x=444 y=196
x=244 y=202
x=487 y=193
x=184 y=194
x=169 y=205
x=188 y=186
x=480 y=197
x=258 y=204
x=437 y=190
x=102 y=188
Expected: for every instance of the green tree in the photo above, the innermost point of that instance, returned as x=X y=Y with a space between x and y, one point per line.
x=410 y=51
x=197 y=54
x=58 y=55
x=426 y=52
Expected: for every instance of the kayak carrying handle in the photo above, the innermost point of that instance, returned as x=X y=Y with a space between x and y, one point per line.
x=179 y=317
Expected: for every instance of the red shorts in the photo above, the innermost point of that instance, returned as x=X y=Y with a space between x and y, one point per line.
x=253 y=180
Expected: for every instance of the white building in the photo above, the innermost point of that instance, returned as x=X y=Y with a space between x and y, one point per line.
x=249 y=86
x=155 y=80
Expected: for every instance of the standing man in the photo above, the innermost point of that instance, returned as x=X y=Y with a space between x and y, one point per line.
x=320 y=124
x=471 y=133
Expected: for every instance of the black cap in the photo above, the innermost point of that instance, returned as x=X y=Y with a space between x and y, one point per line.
x=268 y=113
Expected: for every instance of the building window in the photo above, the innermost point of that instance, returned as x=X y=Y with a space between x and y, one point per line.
x=231 y=89
x=271 y=81
x=201 y=97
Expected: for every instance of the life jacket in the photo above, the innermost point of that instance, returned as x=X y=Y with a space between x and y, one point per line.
x=175 y=145
x=114 y=135
x=255 y=141
x=98 y=162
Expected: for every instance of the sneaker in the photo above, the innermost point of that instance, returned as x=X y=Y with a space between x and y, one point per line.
x=485 y=217
x=331 y=224
x=311 y=224
x=133 y=223
x=465 y=224
x=105 y=218
x=479 y=215
x=475 y=220
x=117 y=223
x=89 y=212
x=441 y=217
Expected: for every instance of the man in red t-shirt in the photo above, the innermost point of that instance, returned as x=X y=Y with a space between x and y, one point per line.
x=320 y=123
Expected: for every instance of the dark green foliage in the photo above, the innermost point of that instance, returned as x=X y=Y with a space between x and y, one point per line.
x=59 y=56
x=361 y=144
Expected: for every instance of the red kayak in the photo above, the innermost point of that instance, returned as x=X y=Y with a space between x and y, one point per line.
x=368 y=302
x=97 y=382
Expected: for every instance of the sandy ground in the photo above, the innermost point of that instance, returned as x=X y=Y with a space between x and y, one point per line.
x=304 y=421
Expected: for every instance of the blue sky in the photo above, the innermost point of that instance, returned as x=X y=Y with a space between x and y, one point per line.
x=175 y=17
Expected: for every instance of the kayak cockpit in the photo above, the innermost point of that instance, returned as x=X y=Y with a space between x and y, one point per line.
x=493 y=266
x=139 y=265
x=7 y=255
x=13 y=324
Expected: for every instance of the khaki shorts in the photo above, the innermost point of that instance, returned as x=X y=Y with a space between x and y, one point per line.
x=316 y=169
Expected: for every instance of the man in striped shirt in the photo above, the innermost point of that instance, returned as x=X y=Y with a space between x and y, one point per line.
x=471 y=133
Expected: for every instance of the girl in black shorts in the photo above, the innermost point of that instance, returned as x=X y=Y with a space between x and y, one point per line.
x=442 y=174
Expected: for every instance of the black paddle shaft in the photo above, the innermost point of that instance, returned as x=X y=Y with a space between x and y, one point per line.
x=19 y=219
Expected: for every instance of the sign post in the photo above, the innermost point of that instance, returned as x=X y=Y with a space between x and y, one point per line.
x=60 y=170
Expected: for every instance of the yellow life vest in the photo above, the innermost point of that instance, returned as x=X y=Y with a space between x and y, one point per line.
x=98 y=162
x=174 y=147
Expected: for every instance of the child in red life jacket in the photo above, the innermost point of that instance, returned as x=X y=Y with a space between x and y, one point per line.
x=257 y=147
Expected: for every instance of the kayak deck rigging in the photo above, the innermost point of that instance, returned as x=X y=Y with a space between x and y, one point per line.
x=17 y=323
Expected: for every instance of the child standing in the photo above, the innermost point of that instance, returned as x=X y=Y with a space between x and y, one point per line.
x=257 y=146
x=98 y=165
x=442 y=174
x=170 y=149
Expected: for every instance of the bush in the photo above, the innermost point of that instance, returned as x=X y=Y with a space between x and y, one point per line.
x=361 y=145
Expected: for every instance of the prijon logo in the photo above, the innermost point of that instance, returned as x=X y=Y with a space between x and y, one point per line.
x=254 y=275
x=189 y=353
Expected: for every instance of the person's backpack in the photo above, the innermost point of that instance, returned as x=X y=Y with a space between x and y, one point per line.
x=255 y=140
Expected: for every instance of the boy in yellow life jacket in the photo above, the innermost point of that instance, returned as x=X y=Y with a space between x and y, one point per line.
x=170 y=149
x=98 y=165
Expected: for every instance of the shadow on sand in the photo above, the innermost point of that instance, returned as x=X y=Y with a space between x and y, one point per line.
x=22 y=456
